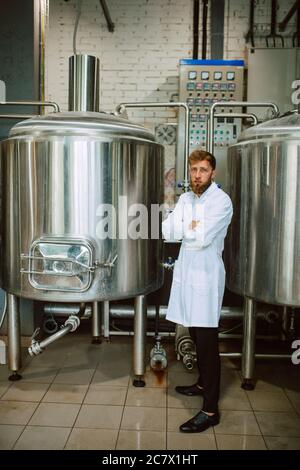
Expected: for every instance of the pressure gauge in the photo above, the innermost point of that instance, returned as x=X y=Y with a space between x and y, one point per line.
x=192 y=75
x=204 y=75
x=230 y=75
x=218 y=76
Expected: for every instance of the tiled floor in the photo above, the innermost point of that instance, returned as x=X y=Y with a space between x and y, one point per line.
x=80 y=396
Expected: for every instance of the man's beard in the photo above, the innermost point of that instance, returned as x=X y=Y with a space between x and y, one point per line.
x=198 y=189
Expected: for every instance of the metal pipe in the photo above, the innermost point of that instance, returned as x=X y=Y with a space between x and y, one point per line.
x=65 y=310
x=122 y=106
x=51 y=104
x=139 y=340
x=204 y=28
x=238 y=115
x=96 y=324
x=232 y=104
x=248 y=354
x=16 y=116
x=71 y=324
x=196 y=29
x=14 y=336
x=110 y=24
x=105 y=319
x=83 y=83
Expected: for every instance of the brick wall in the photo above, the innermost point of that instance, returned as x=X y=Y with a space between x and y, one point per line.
x=139 y=61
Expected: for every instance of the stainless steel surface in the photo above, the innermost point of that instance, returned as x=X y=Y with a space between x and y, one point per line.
x=16 y=116
x=248 y=354
x=43 y=104
x=65 y=310
x=121 y=108
x=58 y=172
x=139 y=340
x=231 y=104
x=127 y=311
x=238 y=116
x=14 y=334
x=83 y=83
x=71 y=324
x=274 y=69
x=105 y=319
x=262 y=253
x=96 y=321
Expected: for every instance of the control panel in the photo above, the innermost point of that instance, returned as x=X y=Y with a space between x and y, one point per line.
x=202 y=83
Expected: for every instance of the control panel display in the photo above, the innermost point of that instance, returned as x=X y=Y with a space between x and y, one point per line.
x=204 y=75
x=218 y=76
x=203 y=83
x=230 y=76
x=192 y=75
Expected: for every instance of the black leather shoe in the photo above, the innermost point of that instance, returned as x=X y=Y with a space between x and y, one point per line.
x=189 y=390
x=200 y=422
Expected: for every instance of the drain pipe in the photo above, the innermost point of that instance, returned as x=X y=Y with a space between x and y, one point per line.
x=70 y=325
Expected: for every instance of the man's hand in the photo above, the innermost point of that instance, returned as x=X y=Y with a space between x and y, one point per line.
x=194 y=224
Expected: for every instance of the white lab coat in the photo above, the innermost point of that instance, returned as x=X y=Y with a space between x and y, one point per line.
x=199 y=274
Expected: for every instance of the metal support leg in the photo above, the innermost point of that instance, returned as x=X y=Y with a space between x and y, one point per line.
x=139 y=340
x=96 y=324
x=105 y=319
x=248 y=355
x=14 y=337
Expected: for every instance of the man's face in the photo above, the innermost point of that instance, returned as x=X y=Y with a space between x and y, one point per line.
x=201 y=174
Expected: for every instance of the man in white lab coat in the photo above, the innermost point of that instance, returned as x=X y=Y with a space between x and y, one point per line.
x=200 y=219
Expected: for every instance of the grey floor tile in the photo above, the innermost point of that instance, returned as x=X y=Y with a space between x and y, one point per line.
x=55 y=414
x=92 y=439
x=99 y=416
x=141 y=418
x=25 y=391
x=43 y=438
x=269 y=401
x=278 y=424
x=244 y=442
x=16 y=412
x=141 y=440
x=282 y=443
x=180 y=441
x=8 y=435
x=4 y=386
x=155 y=397
x=237 y=422
x=65 y=393
x=105 y=395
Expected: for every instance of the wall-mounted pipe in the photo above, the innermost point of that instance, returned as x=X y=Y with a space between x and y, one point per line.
x=204 y=28
x=43 y=104
x=122 y=107
x=232 y=104
x=196 y=29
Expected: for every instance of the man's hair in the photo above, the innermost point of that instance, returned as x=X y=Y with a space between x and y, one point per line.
x=200 y=155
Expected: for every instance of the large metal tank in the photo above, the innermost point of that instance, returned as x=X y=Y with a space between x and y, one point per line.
x=57 y=172
x=262 y=254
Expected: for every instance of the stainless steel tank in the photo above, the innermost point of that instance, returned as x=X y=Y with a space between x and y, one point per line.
x=57 y=172
x=262 y=254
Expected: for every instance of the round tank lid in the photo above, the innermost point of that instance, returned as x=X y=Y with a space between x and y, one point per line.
x=284 y=126
x=82 y=123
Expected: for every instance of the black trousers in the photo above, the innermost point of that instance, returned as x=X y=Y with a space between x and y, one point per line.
x=208 y=360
